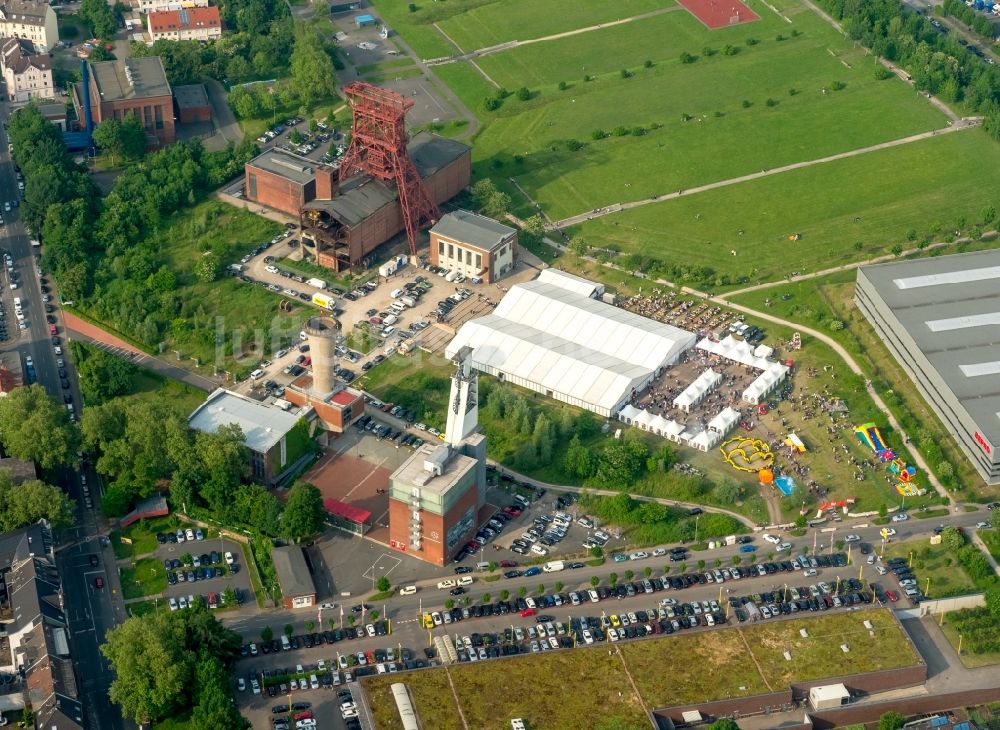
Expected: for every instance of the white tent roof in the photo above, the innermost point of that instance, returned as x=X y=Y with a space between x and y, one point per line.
x=775 y=373
x=645 y=418
x=736 y=350
x=673 y=428
x=724 y=420
x=763 y=351
x=705 y=440
x=702 y=384
x=628 y=413
x=571 y=282
x=568 y=343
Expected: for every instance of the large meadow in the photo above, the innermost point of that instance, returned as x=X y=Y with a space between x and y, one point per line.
x=621 y=112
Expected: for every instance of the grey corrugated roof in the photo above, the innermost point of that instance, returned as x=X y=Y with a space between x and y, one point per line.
x=359 y=198
x=430 y=152
x=963 y=289
x=292 y=571
x=263 y=426
x=288 y=165
x=148 y=78
x=473 y=229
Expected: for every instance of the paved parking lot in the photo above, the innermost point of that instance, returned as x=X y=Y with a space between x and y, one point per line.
x=239 y=579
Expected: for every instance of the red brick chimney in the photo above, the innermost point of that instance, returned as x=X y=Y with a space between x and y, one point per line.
x=326 y=183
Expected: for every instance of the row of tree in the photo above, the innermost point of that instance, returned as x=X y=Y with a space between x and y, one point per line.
x=937 y=62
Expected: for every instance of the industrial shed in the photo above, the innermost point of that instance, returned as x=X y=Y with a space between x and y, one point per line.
x=343 y=225
x=550 y=336
x=938 y=317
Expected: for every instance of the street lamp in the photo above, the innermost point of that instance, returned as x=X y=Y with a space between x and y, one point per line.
x=696 y=518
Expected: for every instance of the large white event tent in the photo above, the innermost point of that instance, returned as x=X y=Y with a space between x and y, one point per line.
x=551 y=336
x=696 y=391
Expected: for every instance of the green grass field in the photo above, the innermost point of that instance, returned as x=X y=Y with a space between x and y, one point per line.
x=508 y=20
x=731 y=662
x=938 y=573
x=833 y=207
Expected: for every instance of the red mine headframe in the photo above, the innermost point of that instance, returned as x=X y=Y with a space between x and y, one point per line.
x=378 y=147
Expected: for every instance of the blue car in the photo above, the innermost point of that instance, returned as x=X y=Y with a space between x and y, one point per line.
x=748 y=548
x=532 y=571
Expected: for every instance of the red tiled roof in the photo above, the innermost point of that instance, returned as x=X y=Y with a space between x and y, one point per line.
x=185 y=19
x=348 y=512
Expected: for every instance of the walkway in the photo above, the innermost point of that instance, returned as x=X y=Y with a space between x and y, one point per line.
x=500 y=47
x=222 y=116
x=617 y=207
x=94 y=335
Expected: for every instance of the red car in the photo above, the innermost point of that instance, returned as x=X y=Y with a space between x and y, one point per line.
x=304 y=715
x=527 y=612
x=387 y=407
x=52 y=329
x=99 y=582
x=508 y=563
x=891 y=596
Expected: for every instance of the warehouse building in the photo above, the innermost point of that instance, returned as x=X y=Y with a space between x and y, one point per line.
x=474 y=245
x=554 y=336
x=938 y=317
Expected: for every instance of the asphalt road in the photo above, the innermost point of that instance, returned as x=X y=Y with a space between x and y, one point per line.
x=89 y=610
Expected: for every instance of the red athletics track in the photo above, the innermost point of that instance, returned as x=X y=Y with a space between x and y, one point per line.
x=719 y=13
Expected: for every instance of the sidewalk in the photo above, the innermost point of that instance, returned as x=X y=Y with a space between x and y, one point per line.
x=94 y=335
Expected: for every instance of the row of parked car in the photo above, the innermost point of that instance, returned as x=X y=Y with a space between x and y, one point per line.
x=317 y=639
x=386 y=433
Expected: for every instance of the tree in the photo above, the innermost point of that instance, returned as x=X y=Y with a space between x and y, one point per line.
x=992 y=598
x=952 y=539
x=35 y=428
x=490 y=200
x=26 y=503
x=383 y=584
x=214 y=706
x=266 y=633
x=621 y=462
x=304 y=513
x=891 y=721
x=313 y=76
x=244 y=103
x=207 y=268
x=595 y=581
x=125 y=138
x=98 y=16
x=104 y=376
x=152 y=666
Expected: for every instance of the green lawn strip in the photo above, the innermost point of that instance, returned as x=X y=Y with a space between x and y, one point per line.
x=418 y=33
x=470 y=86
x=146 y=577
x=931 y=514
x=822 y=302
x=947 y=578
x=432 y=697
x=251 y=567
x=992 y=540
x=980 y=636
x=144 y=608
x=143 y=536
x=832 y=207
x=500 y=22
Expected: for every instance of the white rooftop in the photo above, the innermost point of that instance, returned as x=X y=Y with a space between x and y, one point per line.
x=551 y=333
x=262 y=425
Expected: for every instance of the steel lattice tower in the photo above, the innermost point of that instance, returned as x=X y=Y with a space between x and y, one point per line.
x=378 y=147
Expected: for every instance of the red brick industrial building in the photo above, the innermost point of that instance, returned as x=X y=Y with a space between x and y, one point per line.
x=137 y=85
x=343 y=224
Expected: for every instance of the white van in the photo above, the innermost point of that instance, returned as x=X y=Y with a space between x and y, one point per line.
x=396 y=293
x=482 y=566
x=286 y=645
x=257 y=374
x=17 y=302
x=407 y=590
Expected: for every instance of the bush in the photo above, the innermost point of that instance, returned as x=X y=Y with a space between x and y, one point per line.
x=688 y=57
x=524 y=93
x=771 y=102
x=838 y=85
x=746 y=103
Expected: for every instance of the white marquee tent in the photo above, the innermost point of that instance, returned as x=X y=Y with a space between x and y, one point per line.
x=696 y=391
x=666 y=427
x=550 y=337
x=724 y=421
x=765 y=383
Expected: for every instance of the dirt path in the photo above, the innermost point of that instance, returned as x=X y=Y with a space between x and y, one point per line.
x=508 y=45
x=617 y=207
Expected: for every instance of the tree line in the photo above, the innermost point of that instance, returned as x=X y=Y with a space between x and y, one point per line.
x=937 y=63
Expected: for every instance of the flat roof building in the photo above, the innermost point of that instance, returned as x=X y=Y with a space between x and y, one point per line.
x=473 y=245
x=136 y=85
x=192 y=104
x=297 y=587
x=265 y=429
x=938 y=316
x=551 y=336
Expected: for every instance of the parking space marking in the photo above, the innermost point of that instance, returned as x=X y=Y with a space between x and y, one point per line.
x=379 y=565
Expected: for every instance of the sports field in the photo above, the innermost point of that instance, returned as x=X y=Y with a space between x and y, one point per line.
x=629 y=111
